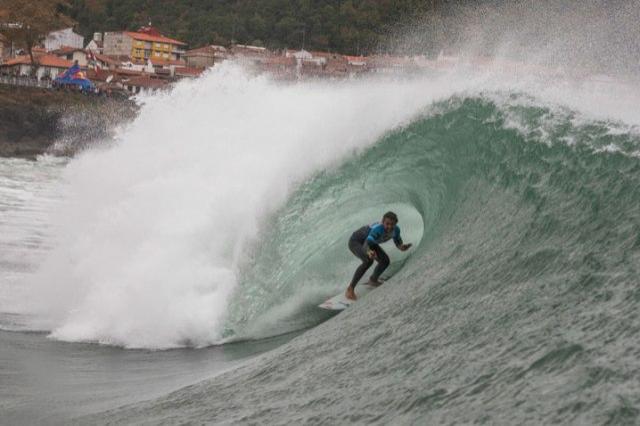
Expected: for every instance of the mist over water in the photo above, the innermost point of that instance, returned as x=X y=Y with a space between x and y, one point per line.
x=575 y=37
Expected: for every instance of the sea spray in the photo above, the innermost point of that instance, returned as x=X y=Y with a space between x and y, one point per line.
x=155 y=230
x=152 y=229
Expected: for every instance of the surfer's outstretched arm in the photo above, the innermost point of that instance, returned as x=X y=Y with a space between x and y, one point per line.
x=397 y=239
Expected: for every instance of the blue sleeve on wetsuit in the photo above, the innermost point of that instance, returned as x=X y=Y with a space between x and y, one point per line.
x=375 y=234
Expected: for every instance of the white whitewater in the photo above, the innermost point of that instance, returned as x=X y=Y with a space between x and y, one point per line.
x=152 y=229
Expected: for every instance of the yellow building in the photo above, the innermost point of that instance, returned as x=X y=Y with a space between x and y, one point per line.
x=141 y=47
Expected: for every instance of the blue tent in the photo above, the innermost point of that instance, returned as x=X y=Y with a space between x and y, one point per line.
x=74 y=77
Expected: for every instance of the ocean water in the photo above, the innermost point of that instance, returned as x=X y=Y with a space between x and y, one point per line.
x=219 y=219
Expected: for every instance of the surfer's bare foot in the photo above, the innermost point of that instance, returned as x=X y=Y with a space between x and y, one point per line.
x=375 y=283
x=350 y=294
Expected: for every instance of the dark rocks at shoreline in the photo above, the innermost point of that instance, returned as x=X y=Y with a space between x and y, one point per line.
x=36 y=121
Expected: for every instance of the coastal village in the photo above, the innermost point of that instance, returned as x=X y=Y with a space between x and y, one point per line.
x=130 y=62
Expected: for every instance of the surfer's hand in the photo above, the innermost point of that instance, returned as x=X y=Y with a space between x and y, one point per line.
x=371 y=254
x=405 y=247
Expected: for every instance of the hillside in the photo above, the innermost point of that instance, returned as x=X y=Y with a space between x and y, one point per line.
x=351 y=26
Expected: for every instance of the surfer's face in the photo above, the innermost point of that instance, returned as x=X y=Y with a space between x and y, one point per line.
x=388 y=224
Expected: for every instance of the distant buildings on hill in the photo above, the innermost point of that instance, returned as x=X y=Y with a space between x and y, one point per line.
x=140 y=60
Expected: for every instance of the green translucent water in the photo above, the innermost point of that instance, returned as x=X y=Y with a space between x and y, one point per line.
x=519 y=304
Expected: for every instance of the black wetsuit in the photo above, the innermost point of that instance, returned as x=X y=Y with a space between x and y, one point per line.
x=369 y=238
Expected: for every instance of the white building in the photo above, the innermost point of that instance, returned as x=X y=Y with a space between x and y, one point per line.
x=95 y=45
x=300 y=55
x=140 y=67
x=49 y=66
x=73 y=55
x=254 y=54
x=66 y=37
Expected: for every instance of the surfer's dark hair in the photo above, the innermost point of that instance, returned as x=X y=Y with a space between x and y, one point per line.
x=390 y=215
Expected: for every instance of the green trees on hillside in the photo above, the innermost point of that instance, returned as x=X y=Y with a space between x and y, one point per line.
x=350 y=26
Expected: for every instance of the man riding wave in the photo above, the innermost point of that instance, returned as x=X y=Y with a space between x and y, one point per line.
x=365 y=245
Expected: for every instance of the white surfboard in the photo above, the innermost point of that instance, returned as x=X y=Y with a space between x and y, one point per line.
x=340 y=302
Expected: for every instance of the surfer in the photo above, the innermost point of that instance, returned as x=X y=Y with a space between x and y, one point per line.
x=365 y=245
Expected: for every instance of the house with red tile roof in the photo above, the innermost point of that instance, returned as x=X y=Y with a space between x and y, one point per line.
x=150 y=30
x=166 y=67
x=108 y=62
x=205 y=57
x=48 y=66
x=250 y=54
x=188 y=72
x=72 y=54
x=144 y=83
